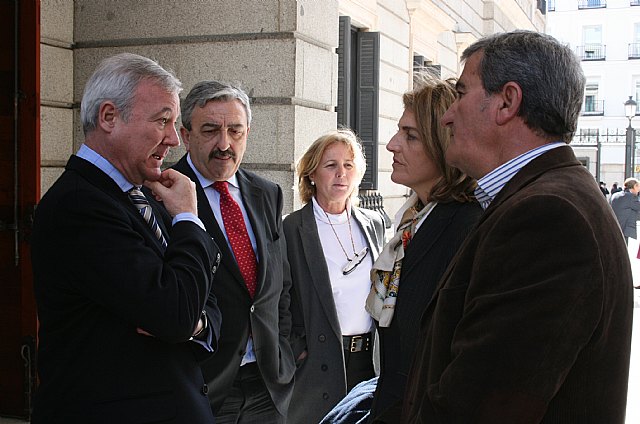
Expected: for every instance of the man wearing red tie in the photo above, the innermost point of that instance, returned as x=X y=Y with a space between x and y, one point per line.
x=251 y=376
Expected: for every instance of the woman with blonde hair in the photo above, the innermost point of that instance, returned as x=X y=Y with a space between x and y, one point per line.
x=331 y=246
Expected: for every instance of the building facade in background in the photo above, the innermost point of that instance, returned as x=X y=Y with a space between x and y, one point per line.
x=605 y=34
x=309 y=65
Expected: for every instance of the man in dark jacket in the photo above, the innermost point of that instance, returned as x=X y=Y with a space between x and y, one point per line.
x=626 y=206
x=120 y=295
x=251 y=377
x=532 y=322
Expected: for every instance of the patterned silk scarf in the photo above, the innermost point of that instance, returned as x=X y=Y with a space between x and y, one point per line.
x=385 y=274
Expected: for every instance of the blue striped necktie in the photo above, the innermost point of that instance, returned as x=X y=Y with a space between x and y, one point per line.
x=141 y=202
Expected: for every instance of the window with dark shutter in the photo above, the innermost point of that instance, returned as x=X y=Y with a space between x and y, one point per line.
x=421 y=66
x=358 y=86
x=418 y=62
x=343 y=107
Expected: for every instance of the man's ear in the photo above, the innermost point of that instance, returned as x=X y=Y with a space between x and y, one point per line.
x=511 y=100
x=184 y=134
x=107 y=116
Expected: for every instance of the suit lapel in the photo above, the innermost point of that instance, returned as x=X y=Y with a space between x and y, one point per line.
x=427 y=236
x=162 y=216
x=253 y=200
x=314 y=257
x=209 y=220
x=368 y=229
x=205 y=213
x=103 y=182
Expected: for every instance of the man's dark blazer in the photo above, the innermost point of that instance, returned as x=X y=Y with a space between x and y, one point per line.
x=320 y=379
x=267 y=316
x=532 y=322
x=425 y=260
x=100 y=273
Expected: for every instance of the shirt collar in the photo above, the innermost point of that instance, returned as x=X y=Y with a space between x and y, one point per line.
x=87 y=153
x=205 y=182
x=491 y=184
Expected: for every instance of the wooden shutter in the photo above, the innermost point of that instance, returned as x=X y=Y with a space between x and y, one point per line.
x=367 y=83
x=418 y=62
x=343 y=108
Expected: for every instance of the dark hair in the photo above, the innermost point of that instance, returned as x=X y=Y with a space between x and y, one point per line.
x=548 y=73
x=206 y=91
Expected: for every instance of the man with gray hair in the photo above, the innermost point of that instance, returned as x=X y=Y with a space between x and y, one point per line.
x=120 y=285
x=532 y=322
x=251 y=376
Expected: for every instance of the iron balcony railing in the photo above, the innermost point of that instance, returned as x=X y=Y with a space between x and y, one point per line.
x=609 y=135
x=591 y=4
x=634 y=3
x=593 y=108
x=592 y=52
x=551 y=5
x=374 y=201
x=634 y=50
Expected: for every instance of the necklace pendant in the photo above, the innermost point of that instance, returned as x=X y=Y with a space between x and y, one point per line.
x=355 y=261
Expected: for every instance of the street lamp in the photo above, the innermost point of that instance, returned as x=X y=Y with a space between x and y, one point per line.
x=629 y=159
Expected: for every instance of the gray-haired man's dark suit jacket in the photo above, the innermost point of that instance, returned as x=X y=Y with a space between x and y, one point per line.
x=100 y=273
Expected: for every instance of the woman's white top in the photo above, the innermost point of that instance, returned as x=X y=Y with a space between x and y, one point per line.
x=349 y=291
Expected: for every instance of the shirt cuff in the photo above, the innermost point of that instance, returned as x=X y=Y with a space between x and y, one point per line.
x=188 y=216
x=205 y=336
x=206 y=344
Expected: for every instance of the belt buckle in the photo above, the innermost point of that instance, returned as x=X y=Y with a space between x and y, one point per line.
x=356 y=344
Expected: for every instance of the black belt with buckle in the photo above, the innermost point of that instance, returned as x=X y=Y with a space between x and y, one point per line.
x=358 y=343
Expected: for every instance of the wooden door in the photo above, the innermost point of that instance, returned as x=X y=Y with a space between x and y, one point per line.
x=19 y=192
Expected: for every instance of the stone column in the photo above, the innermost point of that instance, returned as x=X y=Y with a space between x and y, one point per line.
x=282 y=52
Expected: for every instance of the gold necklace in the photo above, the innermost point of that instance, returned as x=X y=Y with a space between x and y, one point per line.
x=357 y=259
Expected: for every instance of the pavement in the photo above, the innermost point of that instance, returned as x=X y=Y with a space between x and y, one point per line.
x=633 y=398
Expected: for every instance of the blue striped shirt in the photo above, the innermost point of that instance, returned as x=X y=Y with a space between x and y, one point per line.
x=490 y=185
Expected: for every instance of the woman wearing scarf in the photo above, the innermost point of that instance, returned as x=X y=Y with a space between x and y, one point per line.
x=431 y=226
x=331 y=247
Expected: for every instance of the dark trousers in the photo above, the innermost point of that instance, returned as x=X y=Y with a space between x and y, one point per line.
x=248 y=401
x=359 y=367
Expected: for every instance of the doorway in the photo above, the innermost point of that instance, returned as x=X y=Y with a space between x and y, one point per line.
x=19 y=193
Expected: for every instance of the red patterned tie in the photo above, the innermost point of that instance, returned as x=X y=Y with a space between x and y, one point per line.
x=238 y=236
